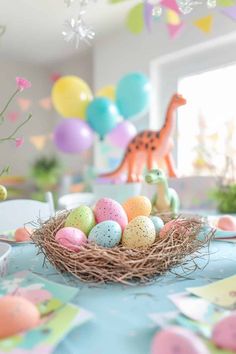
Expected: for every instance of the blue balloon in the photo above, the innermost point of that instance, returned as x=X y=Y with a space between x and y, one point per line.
x=102 y=115
x=133 y=95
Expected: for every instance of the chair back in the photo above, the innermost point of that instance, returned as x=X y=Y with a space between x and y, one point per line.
x=19 y=212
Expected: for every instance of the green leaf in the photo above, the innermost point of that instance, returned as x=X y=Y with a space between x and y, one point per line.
x=134 y=20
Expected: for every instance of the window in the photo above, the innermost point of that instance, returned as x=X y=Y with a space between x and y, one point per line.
x=207 y=124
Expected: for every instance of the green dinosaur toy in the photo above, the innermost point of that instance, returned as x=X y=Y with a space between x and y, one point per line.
x=166 y=199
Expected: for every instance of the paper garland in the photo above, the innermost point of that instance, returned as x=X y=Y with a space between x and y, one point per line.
x=39 y=141
x=46 y=103
x=142 y=15
x=24 y=104
x=204 y=24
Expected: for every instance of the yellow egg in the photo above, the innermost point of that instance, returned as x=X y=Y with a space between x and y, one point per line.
x=137 y=206
x=139 y=233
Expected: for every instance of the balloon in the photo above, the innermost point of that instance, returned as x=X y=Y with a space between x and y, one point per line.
x=72 y=136
x=133 y=95
x=102 y=115
x=108 y=92
x=71 y=96
x=122 y=134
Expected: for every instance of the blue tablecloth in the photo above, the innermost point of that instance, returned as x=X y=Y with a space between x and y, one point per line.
x=121 y=324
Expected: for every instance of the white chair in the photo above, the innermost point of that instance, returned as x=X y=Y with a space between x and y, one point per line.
x=19 y=212
x=73 y=200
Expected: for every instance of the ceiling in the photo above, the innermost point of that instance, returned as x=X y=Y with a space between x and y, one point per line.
x=34 y=27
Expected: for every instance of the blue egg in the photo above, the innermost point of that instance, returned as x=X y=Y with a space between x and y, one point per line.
x=157 y=222
x=106 y=234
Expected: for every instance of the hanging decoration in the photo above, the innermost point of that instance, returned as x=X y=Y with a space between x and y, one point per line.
x=46 y=103
x=24 y=104
x=172 y=12
x=75 y=28
x=38 y=141
x=204 y=24
x=13 y=116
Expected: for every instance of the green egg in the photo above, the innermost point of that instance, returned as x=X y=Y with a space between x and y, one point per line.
x=82 y=218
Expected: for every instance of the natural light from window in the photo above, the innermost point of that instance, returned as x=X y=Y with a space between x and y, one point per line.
x=207 y=124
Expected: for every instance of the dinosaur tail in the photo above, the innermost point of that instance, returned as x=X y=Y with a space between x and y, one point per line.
x=117 y=170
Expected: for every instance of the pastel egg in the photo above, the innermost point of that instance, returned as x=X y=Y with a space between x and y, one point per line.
x=227 y=223
x=109 y=209
x=173 y=227
x=179 y=340
x=137 y=206
x=224 y=333
x=157 y=222
x=71 y=238
x=81 y=218
x=3 y=193
x=23 y=234
x=17 y=315
x=106 y=234
x=139 y=233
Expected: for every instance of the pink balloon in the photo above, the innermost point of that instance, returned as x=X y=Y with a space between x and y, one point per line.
x=72 y=136
x=122 y=134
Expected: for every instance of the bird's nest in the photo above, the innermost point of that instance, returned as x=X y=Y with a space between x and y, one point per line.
x=122 y=265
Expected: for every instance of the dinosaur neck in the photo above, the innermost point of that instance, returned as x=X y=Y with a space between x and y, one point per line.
x=162 y=190
x=169 y=124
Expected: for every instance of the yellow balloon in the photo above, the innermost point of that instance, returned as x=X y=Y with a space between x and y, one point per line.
x=71 y=96
x=107 y=91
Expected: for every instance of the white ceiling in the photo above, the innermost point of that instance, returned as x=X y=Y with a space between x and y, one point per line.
x=34 y=27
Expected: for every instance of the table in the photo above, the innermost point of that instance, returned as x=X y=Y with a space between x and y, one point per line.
x=121 y=324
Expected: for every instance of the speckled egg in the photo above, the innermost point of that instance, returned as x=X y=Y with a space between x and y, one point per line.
x=108 y=209
x=71 y=238
x=174 y=227
x=3 y=193
x=173 y=340
x=139 y=233
x=106 y=234
x=224 y=333
x=137 y=206
x=17 y=315
x=82 y=218
x=157 y=222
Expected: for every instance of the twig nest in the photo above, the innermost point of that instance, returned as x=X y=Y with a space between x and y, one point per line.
x=140 y=233
x=126 y=261
x=175 y=228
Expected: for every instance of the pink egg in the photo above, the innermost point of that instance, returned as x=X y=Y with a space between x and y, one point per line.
x=227 y=223
x=109 y=209
x=71 y=238
x=23 y=234
x=224 y=333
x=175 y=227
x=177 y=340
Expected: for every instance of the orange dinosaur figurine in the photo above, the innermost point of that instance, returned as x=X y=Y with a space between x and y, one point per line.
x=150 y=146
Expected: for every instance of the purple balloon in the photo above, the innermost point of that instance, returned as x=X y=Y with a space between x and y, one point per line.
x=72 y=136
x=122 y=134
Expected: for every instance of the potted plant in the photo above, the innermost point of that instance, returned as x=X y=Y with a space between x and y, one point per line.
x=225 y=192
x=46 y=172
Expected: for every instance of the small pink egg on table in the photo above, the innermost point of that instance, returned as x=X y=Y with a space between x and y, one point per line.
x=23 y=234
x=71 y=238
x=17 y=315
x=224 y=333
x=177 y=340
x=226 y=223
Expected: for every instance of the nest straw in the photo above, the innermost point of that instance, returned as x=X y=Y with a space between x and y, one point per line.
x=119 y=264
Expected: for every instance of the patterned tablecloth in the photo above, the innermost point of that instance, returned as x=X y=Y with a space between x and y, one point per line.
x=122 y=324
